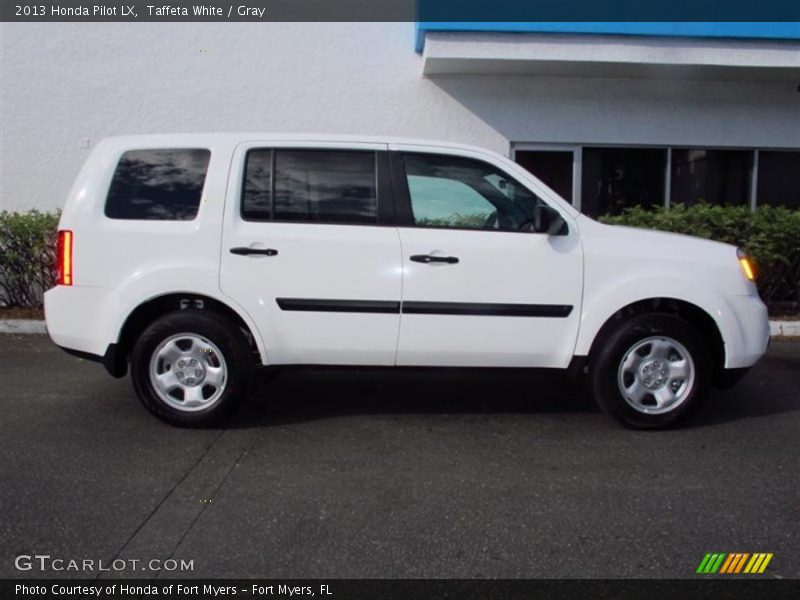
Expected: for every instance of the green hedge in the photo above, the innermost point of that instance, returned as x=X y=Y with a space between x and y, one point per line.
x=27 y=257
x=770 y=235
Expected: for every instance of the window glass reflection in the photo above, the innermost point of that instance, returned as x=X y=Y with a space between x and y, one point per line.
x=161 y=184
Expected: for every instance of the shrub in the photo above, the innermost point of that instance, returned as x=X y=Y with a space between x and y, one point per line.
x=468 y=221
x=770 y=235
x=27 y=257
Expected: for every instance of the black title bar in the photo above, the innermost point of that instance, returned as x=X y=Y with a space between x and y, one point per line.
x=402 y=10
x=402 y=589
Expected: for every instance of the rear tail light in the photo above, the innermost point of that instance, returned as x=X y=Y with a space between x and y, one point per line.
x=64 y=259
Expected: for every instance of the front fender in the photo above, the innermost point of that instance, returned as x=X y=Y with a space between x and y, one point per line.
x=600 y=306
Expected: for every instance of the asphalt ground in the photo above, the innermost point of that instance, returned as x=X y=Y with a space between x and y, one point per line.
x=340 y=474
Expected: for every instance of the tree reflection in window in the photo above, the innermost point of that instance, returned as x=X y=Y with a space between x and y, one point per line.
x=158 y=184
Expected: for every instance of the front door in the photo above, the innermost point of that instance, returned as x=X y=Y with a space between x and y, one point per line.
x=306 y=253
x=479 y=288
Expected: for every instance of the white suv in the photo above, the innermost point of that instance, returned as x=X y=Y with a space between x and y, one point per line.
x=196 y=259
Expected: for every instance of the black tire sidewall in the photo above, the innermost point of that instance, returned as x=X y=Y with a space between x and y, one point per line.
x=604 y=367
x=224 y=334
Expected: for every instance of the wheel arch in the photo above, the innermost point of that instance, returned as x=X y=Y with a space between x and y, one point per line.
x=695 y=315
x=153 y=308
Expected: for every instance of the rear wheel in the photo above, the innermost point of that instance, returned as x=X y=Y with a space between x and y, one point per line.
x=191 y=368
x=650 y=371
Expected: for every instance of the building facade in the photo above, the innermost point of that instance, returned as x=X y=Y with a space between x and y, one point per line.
x=609 y=115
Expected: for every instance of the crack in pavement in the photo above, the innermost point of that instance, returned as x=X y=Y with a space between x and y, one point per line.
x=165 y=528
x=236 y=463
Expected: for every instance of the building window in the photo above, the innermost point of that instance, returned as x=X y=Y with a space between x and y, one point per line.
x=553 y=167
x=779 y=178
x=158 y=185
x=713 y=176
x=617 y=178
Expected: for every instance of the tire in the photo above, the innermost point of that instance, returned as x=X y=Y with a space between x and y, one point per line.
x=192 y=368
x=650 y=371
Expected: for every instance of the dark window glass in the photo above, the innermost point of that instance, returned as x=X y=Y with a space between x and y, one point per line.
x=450 y=191
x=779 y=178
x=325 y=186
x=158 y=185
x=257 y=189
x=713 y=176
x=552 y=167
x=618 y=178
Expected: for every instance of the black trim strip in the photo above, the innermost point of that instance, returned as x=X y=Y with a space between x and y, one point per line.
x=487 y=310
x=558 y=311
x=357 y=306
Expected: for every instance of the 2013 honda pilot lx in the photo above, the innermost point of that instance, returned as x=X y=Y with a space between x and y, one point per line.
x=194 y=259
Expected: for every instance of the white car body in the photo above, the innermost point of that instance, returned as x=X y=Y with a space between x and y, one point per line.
x=596 y=269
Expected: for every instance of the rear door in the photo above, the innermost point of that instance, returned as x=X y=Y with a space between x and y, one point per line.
x=480 y=289
x=310 y=252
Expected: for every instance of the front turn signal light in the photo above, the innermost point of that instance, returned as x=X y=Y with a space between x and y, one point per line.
x=64 y=258
x=746 y=264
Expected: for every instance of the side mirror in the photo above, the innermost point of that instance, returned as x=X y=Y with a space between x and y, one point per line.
x=548 y=220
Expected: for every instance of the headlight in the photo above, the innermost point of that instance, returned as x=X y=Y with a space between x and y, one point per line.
x=746 y=264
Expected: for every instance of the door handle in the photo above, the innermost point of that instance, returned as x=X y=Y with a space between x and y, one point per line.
x=244 y=251
x=430 y=258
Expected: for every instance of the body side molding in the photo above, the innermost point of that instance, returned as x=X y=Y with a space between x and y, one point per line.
x=425 y=308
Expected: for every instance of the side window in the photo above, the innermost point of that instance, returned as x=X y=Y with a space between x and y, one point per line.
x=159 y=184
x=321 y=186
x=439 y=202
x=257 y=189
x=462 y=193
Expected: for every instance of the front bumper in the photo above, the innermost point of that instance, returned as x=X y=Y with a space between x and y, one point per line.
x=744 y=347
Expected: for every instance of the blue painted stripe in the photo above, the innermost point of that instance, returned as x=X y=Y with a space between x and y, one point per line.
x=768 y=30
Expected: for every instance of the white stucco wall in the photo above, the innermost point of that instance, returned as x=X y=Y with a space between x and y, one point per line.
x=65 y=86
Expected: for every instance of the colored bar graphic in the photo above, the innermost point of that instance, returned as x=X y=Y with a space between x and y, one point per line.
x=734 y=562
x=703 y=563
x=717 y=564
x=740 y=564
x=755 y=561
x=764 y=564
x=727 y=564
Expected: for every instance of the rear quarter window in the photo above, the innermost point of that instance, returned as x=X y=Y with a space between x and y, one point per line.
x=160 y=185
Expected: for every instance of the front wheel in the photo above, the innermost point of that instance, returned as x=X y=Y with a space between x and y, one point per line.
x=191 y=368
x=651 y=371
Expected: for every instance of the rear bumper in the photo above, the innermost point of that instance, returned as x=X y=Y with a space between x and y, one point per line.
x=82 y=319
